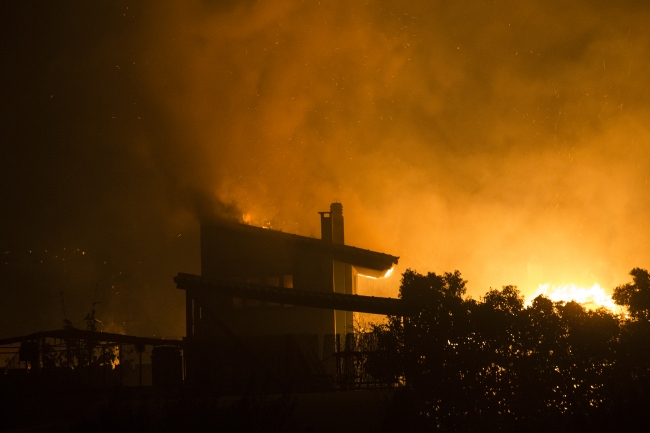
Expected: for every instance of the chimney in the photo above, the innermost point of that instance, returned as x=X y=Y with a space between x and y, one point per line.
x=336 y=212
x=331 y=224
x=326 y=226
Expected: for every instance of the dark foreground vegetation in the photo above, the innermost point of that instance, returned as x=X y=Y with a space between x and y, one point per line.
x=493 y=365
x=459 y=364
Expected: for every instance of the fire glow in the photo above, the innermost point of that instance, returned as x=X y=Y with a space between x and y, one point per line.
x=591 y=298
x=373 y=277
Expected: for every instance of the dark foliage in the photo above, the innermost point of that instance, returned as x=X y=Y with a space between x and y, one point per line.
x=635 y=295
x=494 y=365
x=197 y=413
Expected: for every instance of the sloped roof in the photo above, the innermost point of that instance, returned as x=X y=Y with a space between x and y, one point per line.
x=343 y=253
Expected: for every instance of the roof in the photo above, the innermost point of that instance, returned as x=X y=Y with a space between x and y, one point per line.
x=355 y=256
x=304 y=298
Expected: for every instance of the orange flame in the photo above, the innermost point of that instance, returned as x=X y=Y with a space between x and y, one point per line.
x=591 y=298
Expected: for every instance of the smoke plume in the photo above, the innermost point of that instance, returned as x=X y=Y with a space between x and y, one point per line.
x=507 y=140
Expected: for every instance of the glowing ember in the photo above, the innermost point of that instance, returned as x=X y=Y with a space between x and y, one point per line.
x=590 y=298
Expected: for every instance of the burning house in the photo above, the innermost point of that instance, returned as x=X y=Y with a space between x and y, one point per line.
x=276 y=304
x=270 y=307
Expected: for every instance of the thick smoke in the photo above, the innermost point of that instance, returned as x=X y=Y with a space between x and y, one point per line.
x=507 y=140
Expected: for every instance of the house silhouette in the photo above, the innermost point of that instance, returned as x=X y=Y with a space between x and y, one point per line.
x=251 y=312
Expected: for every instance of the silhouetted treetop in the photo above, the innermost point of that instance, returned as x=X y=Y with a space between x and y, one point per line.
x=635 y=295
x=417 y=287
x=508 y=299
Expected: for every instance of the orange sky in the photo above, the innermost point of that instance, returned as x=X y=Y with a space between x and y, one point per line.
x=508 y=140
x=505 y=140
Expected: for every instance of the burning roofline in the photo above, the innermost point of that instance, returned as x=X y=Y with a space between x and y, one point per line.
x=354 y=256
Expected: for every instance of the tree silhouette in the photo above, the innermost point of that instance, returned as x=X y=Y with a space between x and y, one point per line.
x=493 y=364
x=636 y=295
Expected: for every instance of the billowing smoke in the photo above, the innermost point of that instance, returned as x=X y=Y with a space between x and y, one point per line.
x=508 y=140
x=505 y=140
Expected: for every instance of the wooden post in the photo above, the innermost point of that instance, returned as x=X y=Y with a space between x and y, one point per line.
x=104 y=365
x=189 y=314
x=43 y=351
x=337 y=348
x=140 y=352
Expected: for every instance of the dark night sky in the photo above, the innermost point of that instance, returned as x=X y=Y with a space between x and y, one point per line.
x=508 y=140
x=74 y=175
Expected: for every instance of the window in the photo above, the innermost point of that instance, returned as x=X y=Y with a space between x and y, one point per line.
x=287 y=283
x=275 y=282
x=254 y=303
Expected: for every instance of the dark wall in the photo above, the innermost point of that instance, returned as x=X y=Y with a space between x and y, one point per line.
x=255 y=255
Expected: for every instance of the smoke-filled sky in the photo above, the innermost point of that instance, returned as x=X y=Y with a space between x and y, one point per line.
x=509 y=140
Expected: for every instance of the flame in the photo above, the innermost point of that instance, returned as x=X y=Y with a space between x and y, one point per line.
x=386 y=275
x=590 y=298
